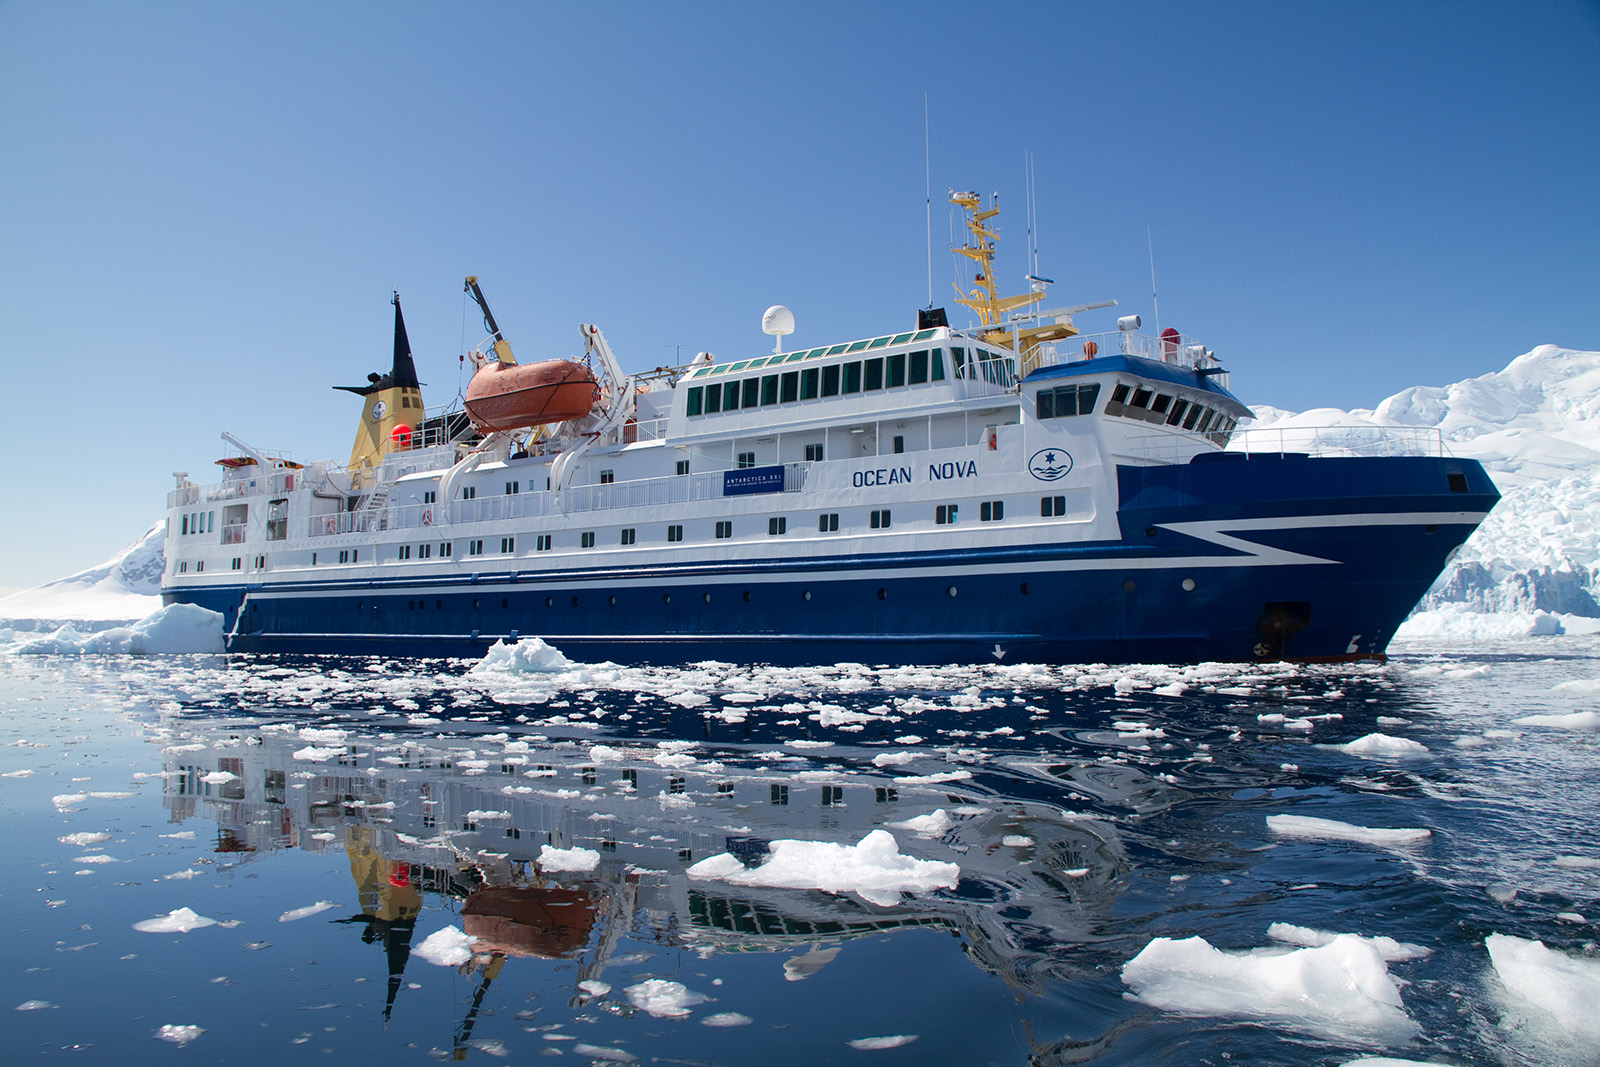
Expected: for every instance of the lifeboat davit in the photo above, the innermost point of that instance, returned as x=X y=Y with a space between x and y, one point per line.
x=509 y=396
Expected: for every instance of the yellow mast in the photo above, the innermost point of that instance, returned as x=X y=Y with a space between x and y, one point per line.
x=985 y=300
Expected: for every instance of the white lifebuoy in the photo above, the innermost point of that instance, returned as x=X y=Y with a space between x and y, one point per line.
x=332 y=525
x=427 y=518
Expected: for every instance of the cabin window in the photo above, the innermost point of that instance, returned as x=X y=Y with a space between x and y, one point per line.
x=446 y=549
x=713 y=399
x=1141 y=398
x=919 y=367
x=474 y=548
x=1176 y=415
x=780 y=794
x=1066 y=400
x=1194 y=414
x=813 y=453
x=542 y=542
x=828 y=523
x=895 y=370
x=879 y=520
x=852 y=378
x=277 y=520
x=789 y=392
x=513 y=488
x=899 y=444
x=936 y=365
x=1051 y=507
x=238 y=562
x=1161 y=403
x=607 y=477
x=730 y=396
x=747 y=459
x=832 y=795
x=508 y=544
x=586 y=539
x=683 y=466
x=629 y=536
x=696 y=401
x=992 y=511
x=769 y=389
x=947 y=514
x=809 y=383
x=1206 y=415
x=751 y=393
x=430 y=497
x=404 y=552
x=200 y=565
x=830 y=380
x=424 y=551
x=184 y=525
x=469 y=492
x=875 y=373
x=183 y=568
x=777 y=526
x=674 y=533
x=724 y=529
x=958 y=363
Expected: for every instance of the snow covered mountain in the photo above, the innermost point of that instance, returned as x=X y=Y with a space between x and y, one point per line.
x=123 y=588
x=1536 y=427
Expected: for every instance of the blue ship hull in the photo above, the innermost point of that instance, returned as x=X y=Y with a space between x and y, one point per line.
x=1230 y=557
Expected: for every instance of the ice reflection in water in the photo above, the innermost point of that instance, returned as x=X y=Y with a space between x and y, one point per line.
x=452 y=817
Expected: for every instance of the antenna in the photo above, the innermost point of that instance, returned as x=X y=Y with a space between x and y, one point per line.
x=927 y=191
x=778 y=321
x=1156 y=304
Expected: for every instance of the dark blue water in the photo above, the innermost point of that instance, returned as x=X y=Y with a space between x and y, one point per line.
x=330 y=815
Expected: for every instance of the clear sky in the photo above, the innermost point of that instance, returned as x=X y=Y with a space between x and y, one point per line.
x=204 y=206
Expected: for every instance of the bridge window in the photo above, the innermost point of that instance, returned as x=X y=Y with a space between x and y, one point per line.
x=852 y=378
x=874 y=373
x=696 y=400
x=895 y=368
x=830 y=380
x=769 y=390
x=1066 y=400
x=1176 y=415
x=790 y=390
x=810 y=381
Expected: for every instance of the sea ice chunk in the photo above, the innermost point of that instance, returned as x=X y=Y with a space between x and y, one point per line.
x=531 y=656
x=1383 y=745
x=889 y=1041
x=663 y=999
x=310 y=909
x=1333 y=830
x=179 y=1035
x=1549 y=984
x=1341 y=989
x=448 y=947
x=180 y=921
x=567 y=859
x=873 y=868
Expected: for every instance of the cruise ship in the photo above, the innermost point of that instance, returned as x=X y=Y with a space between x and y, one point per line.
x=1016 y=491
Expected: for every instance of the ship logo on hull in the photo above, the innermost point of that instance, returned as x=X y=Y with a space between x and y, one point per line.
x=1049 y=464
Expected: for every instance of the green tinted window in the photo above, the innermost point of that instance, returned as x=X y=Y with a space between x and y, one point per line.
x=808 y=384
x=830 y=380
x=895 y=366
x=852 y=377
x=696 y=400
x=875 y=373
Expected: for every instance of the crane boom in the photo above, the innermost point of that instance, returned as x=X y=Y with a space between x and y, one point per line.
x=502 y=349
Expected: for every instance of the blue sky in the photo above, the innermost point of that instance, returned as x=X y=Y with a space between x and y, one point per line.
x=204 y=207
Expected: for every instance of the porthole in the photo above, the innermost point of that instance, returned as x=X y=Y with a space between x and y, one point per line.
x=474 y=605
x=1128 y=586
x=706 y=597
x=613 y=601
x=1149 y=531
x=747 y=596
x=883 y=594
x=504 y=604
x=1188 y=585
x=574 y=601
x=951 y=590
x=549 y=601
x=438 y=605
x=411 y=605
x=806 y=595
x=358 y=605
x=1026 y=589
x=666 y=598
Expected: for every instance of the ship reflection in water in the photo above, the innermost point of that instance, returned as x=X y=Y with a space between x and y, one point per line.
x=560 y=847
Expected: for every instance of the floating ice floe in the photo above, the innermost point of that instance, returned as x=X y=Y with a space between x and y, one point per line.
x=567 y=859
x=171 y=630
x=449 y=947
x=662 y=998
x=890 y=1041
x=1340 y=990
x=1384 y=745
x=594 y=987
x=726 y=1018
x=180 y=921
x=1577 y=720
x=873 y=868
x=1333 y=830
x=531 y=656
x=310 y=909
x=179 y=1035
x=1546 y=985
x=604 y=1053
x=932 y=824
x=1390 y=949
x=34 y=1005
x=84 y=839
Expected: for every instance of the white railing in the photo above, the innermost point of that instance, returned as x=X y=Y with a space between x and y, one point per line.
x=673 y=489
x=1341 y=440
x=1184 y=352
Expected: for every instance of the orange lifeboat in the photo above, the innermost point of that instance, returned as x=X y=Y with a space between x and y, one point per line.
x=508 y=396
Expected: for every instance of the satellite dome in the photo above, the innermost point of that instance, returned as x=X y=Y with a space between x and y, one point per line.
x=778 y=320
